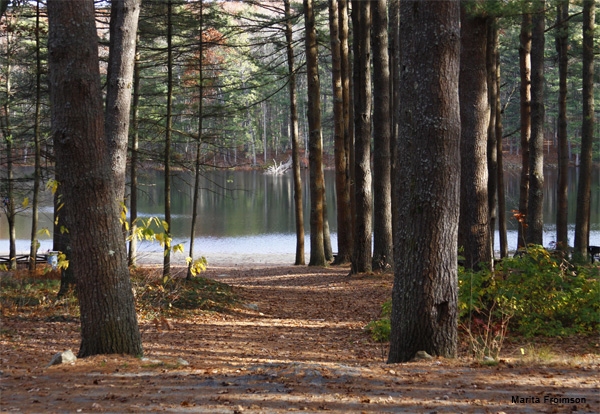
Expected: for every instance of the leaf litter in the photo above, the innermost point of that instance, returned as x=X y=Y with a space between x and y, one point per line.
x=301 y=346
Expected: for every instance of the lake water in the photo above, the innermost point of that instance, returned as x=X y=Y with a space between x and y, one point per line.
x=248 y=212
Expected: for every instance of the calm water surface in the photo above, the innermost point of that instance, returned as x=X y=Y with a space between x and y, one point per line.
x=249 y=212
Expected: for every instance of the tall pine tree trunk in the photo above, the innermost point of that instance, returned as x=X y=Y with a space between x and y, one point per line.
x=562 y=42
x=525 y=110
x=394 y=55
x=89 y=185
x=382 y=219
x=362 y=252
x=295 y=139
x=474 y=230
x=346 y=200
x=317 y=183
x=535 y=216
x=36 y=142
x=582 y=220
x=492 y=139
x=341 y=162
x=425 y=292
x=499 y=142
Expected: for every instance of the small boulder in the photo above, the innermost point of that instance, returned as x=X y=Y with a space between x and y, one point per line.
x=182 y=361
x=421 y=356
x=63 y=358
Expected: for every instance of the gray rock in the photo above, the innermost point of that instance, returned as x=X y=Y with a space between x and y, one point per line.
x=251 y=306
x=62 y=358
x=152 y=361
x=422 y=356
x=182 y=361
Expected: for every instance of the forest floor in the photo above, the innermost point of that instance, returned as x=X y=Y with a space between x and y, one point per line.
x=296 y=342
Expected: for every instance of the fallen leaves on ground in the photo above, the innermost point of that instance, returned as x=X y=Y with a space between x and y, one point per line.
x=294 y=342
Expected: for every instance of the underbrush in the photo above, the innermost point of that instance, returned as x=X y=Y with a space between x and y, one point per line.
x=25 y=294
x=536 y=294
x=174 y=297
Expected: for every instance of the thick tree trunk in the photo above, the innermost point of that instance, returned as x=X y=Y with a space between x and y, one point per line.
x=124 y=16
x=295 y=140
x=394 y=54
x=425 y=293
x=363 y=240
x=474 y=230
x=535 y=216
x=317 y=184
x=344 y=218
x=382 y=218
x=525 y=109
x=347 y=239
x=582 y=220
x=562 y=43
x=90 y=194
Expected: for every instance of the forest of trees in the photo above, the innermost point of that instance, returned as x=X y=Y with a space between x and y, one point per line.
x=415 y=105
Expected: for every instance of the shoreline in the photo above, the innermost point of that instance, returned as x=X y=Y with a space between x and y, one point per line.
x=214 y=260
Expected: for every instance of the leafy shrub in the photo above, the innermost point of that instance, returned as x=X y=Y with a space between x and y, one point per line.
x=172 y=296
x=538 y=293
x=544 y=294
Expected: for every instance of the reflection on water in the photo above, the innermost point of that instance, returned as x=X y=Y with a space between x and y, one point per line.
x=248 y=212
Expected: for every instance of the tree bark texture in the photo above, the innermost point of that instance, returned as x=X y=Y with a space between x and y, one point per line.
x=424 y=296
x=394 y=56
x=501 y=195
x=582 y=219
x=346 y=200
x=492 y=139
x=295 y=140
x=474 y=230
x=317 y=182
x=525 y=109
x=382 y=124
x=535 y=216
x=124 y=16
x=562 y=43
x=341 y=156
x=363 y=238
x=90 y=194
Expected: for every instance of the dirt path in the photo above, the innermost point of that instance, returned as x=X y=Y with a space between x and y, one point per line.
x=298 y=345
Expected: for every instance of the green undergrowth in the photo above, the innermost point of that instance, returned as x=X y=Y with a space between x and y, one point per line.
x=34 y=295
x=539 y=293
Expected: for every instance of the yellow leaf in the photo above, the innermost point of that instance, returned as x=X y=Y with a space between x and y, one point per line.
x=26 y=202
x=44 y=231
